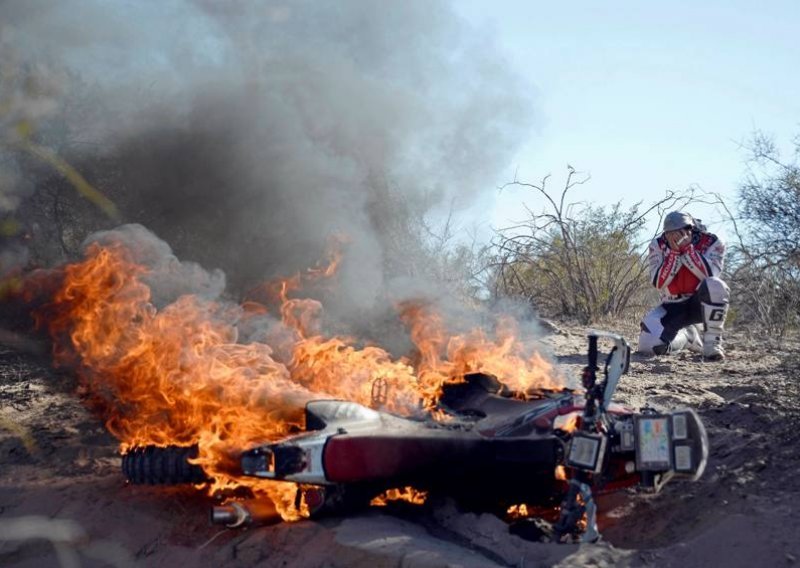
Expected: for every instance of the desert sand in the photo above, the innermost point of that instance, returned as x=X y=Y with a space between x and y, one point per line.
x=64 y=501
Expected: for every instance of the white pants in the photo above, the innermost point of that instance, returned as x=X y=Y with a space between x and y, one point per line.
x=661 y=326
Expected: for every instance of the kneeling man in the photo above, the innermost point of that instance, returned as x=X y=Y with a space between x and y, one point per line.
x=685 y=264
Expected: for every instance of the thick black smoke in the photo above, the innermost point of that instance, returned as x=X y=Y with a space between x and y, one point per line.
x=245 y=134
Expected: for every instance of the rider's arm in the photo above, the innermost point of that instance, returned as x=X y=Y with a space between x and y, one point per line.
x=707 y=263
x=695 y=262
x=664 y=264
x=714 y=255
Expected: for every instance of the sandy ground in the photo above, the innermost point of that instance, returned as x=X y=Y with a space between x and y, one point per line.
x=63 y=501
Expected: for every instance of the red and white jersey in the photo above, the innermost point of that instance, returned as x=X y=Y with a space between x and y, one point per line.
x=677 y=275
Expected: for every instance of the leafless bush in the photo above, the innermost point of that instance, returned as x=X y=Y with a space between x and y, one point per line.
x=46 y=204
x=436 y=250
x=576 y=260
x=766 y=278
x=769 y=203
x=766 y=296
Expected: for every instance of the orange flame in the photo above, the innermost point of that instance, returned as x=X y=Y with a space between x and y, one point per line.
x=446 y=358
x=568 y=422
x=525 y=511
x=407 y=494
x=178 y=375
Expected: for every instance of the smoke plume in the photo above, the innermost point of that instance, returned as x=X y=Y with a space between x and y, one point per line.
x=247 y=134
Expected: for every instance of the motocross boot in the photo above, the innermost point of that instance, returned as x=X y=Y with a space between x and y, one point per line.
x=682 y=340
x=694 y=339
x=713 y=326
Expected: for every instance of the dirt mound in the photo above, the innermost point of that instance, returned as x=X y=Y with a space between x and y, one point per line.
x=63 y=498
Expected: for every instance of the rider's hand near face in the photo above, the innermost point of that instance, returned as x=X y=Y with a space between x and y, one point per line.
x=679 y=239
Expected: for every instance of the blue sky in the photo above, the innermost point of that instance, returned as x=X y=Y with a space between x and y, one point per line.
x=645 y=96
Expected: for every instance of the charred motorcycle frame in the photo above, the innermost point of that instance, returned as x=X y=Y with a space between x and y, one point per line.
x=494 y=448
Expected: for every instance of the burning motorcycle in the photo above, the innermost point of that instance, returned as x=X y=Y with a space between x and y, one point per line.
x=486 y=446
